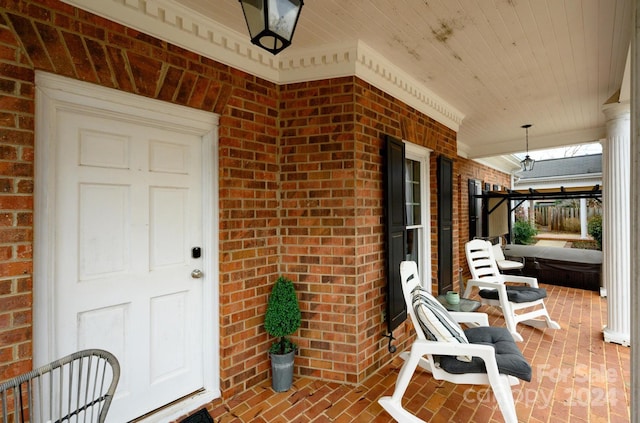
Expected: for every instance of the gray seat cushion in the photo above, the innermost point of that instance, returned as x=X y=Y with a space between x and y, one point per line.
x=516 y=294
x=509 y=358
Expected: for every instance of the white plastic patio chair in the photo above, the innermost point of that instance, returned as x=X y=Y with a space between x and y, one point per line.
x=521 y=300
x=503 y=264
x=443 y=349
x=75 y=388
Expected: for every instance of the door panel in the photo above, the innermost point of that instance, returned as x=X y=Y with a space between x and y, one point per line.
x=128 y=212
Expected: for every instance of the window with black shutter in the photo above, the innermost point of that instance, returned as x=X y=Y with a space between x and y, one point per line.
x=407 y=220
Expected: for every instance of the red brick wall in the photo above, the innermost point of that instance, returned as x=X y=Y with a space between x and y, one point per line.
x=16 y=205
x=318 y=222
x=300 y=187
x=332 y=221
x=57 y=38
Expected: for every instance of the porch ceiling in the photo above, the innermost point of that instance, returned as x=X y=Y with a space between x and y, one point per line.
x=497 y=63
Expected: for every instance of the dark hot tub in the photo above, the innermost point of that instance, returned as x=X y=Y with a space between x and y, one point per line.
x=572 y=267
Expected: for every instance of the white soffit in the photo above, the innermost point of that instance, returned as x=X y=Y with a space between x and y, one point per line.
x=543 y=142
x=504 y=164
x=173 y=23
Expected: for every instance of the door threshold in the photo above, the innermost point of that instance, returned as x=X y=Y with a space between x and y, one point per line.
x=178 y=408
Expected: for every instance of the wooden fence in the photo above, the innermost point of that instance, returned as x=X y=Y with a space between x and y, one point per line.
x=561 y=218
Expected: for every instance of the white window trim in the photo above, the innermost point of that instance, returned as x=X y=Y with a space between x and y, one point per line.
x=421 y=154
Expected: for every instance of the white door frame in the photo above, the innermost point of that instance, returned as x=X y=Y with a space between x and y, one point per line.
x=55 y=93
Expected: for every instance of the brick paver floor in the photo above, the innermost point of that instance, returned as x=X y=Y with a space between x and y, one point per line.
x=577 y=377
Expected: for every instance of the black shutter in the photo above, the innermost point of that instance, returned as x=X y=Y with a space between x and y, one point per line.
x=396 y=232
x=475 y=209
x=445 y=224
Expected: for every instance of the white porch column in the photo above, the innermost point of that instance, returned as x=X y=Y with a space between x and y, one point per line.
x=616 y=220
x=583 y=218
x=634 y=77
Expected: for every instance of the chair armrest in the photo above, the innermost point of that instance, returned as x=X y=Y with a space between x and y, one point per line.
x=480 y=319
x=514 y=258
x=423 y=347
x=509 y=262
x=532 y=282
x=481 y=284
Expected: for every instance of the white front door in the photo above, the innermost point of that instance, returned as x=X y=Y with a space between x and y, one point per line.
x=128 y=243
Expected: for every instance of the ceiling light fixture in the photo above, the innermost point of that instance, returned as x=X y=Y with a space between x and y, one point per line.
x=271 y=22
x=527 y=163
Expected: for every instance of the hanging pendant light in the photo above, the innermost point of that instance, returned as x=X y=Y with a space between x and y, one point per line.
x=527 y=163
x=271 y=22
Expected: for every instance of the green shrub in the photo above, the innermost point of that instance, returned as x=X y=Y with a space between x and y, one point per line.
x=283 y=315
x=594 y=228
x=523 y=232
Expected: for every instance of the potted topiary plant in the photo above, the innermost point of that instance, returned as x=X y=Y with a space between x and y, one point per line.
x=282 y=319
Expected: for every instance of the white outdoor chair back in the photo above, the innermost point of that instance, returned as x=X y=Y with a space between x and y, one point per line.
x=480 y=355
x=518 y=297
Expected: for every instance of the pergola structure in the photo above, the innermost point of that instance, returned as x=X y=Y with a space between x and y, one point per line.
x=493 y=201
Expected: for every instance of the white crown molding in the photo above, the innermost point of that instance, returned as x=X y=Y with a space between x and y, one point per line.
x=330 y=61
x=172 y=22
x=367 y=64
x=380 y=72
